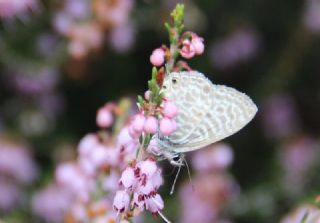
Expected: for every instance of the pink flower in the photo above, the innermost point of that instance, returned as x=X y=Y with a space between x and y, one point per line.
x=125 y=143
x=218 y=156
x=157 y=179
x=51 y=203
x=138 y=123
x=87 y=143
x=121 y=201
x=153 y=147
x=169 y=109
x=167 y=126
x=157 y=57
x=142 y=181
x=10 y=197
x=147 y=167
x=154 y=204
x=198 y=45
x=151 y=125
x=104 y=117
x=127 y=177
x=187 y=51
x=133 y=133
x=136 y=126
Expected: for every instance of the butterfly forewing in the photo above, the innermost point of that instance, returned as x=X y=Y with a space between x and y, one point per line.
x=191 y=93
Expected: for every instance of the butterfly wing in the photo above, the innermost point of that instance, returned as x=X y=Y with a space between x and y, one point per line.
x=190 y=91
x=231 y=110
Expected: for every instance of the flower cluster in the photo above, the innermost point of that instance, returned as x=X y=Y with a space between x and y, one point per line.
x=119 y=161
x=140 y=181
x=85 y=23
x=12 y=8
x=150 y=124
x=13 y=175
x=241 y=46
x=189 y=46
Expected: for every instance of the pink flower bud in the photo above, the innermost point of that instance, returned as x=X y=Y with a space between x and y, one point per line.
x=198 y=45
x=153 y=147
x=147 y=95
x=104 y=118
x=147 y=167
x=121 y=201
x=157 y=57
x=169 y=109
x=127 y=177
x=138 y=200
x=187 y=51
x=167 y=126
x=151 y=125
x=132 y=133
x=138 y=123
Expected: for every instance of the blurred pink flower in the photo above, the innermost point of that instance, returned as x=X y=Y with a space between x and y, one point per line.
x=10 y=195
x=84 y=37
x=279 y=116
x=33 y=83
x=218 y=156
x=12 y=8
x=204 y=201
x=78 y=9
x=311 y=18
x=239 y=47
x=122 y=37
x=23 y=169
x=104 y=117
x=70 y=176
x=51 y=203
x=157 y=57
x=113 y=13
x=297 y=157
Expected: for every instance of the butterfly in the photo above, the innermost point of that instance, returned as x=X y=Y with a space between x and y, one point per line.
x=207 y=113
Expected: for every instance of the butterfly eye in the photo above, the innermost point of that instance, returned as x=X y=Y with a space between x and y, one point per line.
x=174 y=81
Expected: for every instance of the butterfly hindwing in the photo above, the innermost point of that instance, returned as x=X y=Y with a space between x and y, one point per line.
x=230 y=111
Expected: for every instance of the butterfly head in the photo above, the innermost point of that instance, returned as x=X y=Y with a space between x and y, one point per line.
x=171 y=82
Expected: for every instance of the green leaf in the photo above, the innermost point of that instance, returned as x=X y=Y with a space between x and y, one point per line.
x=140 y=100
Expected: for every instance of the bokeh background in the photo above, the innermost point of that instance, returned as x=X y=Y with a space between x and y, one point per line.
x=62 y=60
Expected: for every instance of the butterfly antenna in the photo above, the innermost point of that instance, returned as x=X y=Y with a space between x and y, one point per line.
x=189 y=173
x=175 y=181
x=163 y=217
